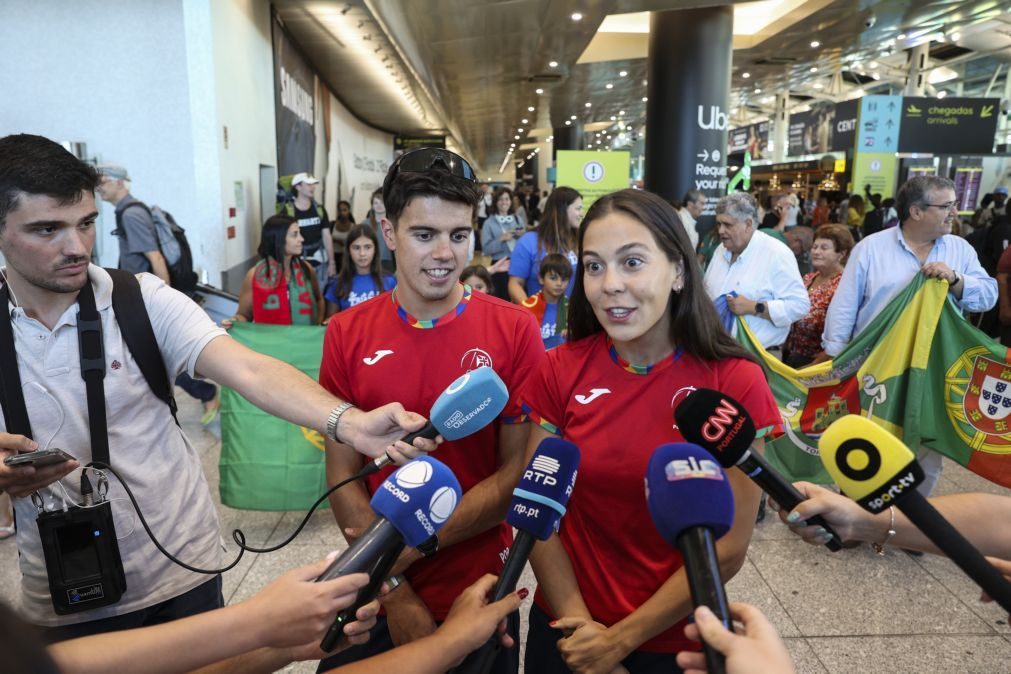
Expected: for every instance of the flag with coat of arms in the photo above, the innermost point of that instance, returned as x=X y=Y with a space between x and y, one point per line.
x=919 y=370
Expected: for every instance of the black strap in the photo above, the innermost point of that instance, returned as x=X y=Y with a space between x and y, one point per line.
x=12 y=398
x=135 y=326
x=89 y=337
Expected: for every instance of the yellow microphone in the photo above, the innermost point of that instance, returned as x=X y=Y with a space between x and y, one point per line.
x=870 y=464
x=875 y=469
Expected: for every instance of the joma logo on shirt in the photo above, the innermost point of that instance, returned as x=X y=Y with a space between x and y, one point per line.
x=379 y=355
x=594 y=394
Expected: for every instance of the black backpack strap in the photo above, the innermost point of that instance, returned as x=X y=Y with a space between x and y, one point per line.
x=135 y=324
x=92 y=349
x=12 y=397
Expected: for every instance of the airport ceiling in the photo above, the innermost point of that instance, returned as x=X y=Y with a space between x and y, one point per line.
x=472 y=69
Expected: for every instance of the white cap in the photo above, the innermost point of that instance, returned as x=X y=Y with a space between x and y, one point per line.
x=304 y=178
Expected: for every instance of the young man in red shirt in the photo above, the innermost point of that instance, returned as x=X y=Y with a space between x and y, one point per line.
x=408 y=345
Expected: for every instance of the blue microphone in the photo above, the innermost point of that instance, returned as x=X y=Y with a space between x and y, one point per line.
x=692 y=505
x=412 y=504
x=539 y=501
x=467 y=405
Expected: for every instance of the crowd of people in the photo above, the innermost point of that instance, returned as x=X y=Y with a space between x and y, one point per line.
x=589 y=319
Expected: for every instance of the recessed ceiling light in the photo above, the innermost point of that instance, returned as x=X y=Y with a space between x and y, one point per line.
x=588 y=104
x=955 y=37
x=552 y=64
x=873 y=64
x=757 y=90
x=568 y=122
x=519 y=130
x=576 y=16
x=621 y=112
x=901 y=36
x=511 y=145
x=525 y=120
x=622 y=73
x=539 y=91
x=530 y=109
x=645 y=98
x=613 y=118
x=516 y=137
x=876 y=76
x=815 y=44
x=814 y=69
x=609 y=86
x=573 y=118
x=819 y=85
x=745 y=75
x=942 y=93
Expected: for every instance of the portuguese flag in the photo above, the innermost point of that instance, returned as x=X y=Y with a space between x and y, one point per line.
x=919 y=370
x=267 y=463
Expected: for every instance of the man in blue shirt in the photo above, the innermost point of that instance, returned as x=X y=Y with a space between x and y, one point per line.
x=883 y=264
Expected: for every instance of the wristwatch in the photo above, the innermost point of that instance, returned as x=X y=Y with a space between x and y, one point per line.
x=759 y=308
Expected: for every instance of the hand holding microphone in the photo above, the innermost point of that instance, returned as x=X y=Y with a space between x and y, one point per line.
x=721 y=425
x=538 y=504
x=692 y=505
x=412 y=505
x=467 y=405
x=877 y=471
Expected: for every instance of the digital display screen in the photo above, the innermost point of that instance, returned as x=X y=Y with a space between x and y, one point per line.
x=78 y=553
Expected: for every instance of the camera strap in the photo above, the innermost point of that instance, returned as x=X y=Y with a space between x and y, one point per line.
x=89 y=335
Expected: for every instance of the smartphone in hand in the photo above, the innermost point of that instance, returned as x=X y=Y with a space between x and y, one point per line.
x=41 y=457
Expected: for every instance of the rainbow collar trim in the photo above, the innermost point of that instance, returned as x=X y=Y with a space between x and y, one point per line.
x=637 y=369
x=431 y=323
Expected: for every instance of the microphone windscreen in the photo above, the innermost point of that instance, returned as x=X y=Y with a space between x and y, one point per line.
x=469 y=404
x=717 y=422
x=540 y=499
x=685 y=488
x=868 y=463
x=418 y=498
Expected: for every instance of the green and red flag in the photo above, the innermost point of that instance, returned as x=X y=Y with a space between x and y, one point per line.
x=919 y=370
x=267 y=463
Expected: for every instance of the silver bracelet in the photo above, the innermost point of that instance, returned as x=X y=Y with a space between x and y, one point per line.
x=880 y=547
x=334 y=419
x=393 y=582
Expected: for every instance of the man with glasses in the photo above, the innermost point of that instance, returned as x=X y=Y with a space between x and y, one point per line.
x=409 y=344
x=883 y=264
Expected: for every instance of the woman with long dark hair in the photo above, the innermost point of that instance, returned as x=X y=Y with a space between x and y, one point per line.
x=281 y=288
x=555 y=233
x=498 y=236
x=361 y=277
x=643 y=334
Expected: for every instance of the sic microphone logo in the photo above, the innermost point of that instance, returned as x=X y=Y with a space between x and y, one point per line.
x=544 y=469
x=692 y=469
x=722 y=427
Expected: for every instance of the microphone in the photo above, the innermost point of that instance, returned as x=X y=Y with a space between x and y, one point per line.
x=467 y=405
x=692 y=505
x=412 y=504
x=721 y=425
x=876 y=470
x=539 y=501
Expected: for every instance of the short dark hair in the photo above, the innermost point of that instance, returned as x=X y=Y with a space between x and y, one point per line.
x=480 y=271
x=434 y=182
x=557 y=263
x=914 y=193
x=695 y=325
x=36 y=165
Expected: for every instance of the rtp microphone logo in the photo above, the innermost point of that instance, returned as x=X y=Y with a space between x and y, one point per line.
x=543 y=470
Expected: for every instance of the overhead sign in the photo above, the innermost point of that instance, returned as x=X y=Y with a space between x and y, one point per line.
x=754 y=139
x=294 y=106
x=402 y=144
x=949 y=125
x=593 y=174
x=880 y=117
x=826 y=127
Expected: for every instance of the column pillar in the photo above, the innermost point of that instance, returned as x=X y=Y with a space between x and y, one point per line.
x=568 y=138
x=781 y=128
x=919 y=61
x=688 y=91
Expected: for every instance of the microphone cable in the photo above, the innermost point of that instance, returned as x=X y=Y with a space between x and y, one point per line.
x=237 y=535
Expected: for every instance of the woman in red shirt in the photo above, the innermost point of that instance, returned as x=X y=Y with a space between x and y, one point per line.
x=644 y=334
x=832 y=245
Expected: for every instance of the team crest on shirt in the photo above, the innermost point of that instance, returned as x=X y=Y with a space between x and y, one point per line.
x=474 y=359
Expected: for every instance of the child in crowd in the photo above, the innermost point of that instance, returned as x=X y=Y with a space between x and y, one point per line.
x=549 y=304
x=360 y=277
x=478 y=277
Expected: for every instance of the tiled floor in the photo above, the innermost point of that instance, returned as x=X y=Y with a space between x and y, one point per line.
x=850 y=611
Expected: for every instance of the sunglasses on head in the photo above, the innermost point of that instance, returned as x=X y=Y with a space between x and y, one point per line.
x=426 y=159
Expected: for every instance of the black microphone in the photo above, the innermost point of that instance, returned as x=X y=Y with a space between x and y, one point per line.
x=692 y=506
x=536 y=509
x=721 y=425
x=470 y=403
x=412 y=504
x=876 y=470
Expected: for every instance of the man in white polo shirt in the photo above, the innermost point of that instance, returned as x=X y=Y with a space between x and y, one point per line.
x=757 y=274
x=47 y=232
